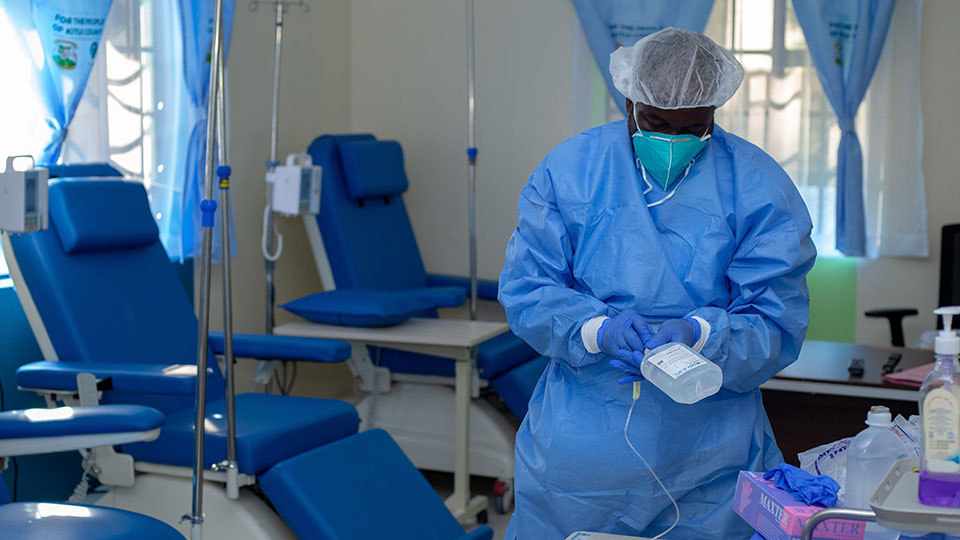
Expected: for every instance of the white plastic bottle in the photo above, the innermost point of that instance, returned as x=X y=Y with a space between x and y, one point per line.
x=870 y=457
x=681 y=373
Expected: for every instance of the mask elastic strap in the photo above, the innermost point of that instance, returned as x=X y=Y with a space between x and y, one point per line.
x=643 y=173
x=685 y=173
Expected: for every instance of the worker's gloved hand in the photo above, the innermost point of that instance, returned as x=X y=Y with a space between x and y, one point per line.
x=625 y=332
x=628 y=363
x=685 y=330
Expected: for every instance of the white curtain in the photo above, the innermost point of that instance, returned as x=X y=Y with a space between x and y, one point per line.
x=893 y=182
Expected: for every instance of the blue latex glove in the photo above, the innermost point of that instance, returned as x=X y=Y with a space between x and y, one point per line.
x=805 y=487
x=685 y=330
x=625 y=332
x=628 y=364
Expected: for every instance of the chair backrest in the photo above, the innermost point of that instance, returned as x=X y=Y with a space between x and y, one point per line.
x=950 y=267
x=364 y=223
x=103 y=284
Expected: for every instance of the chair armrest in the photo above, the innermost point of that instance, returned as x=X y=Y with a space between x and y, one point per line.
x=127 y=377
x=482 y=532
x=486 y=289
x=268 y=347
x=43 y=431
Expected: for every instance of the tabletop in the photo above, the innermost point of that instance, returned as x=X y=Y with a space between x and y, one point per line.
x=827 y=362
x=415 y=331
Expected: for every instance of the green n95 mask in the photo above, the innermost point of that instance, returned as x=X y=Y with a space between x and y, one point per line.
x=666 y=156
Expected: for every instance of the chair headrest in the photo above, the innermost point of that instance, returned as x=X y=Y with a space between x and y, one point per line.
x=101 y=215
x=373 y=168
x=82 y=170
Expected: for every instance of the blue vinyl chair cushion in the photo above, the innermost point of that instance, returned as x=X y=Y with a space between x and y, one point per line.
x=486 y=288
x=373 y=168
x=269 y=347
x=28 y=423
x=42 y=521
x=362 y=238
x=318 y=497
x=516 y=386
x=270 y=429
x=95 y=215
x=439 y=296
x=128 y=377
x=358 y=307
x=95 y=307
x=83 y=170
x=494 y=356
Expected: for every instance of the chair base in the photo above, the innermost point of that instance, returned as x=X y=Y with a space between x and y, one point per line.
x=420 y=418
x=167 y=498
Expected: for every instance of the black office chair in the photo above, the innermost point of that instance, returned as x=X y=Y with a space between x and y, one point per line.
x=949 y=286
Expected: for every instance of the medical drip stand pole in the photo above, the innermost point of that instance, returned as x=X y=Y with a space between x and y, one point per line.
x=208 y=208
x=223 y=174
x=471 y=165
x=269 y=256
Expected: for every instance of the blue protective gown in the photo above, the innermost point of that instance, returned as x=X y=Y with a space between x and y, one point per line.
x=733 y=247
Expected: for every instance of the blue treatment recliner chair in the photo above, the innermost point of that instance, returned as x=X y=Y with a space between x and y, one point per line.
x=41 y=431
x=102 y=298
x=362 y=239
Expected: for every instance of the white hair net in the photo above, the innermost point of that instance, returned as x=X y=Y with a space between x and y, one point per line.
x=676 y=69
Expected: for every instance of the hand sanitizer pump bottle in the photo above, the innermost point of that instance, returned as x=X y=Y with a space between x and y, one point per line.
x=940 y=417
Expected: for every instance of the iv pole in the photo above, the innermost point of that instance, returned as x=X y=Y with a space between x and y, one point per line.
x=208 y=208
x=471 y=164
x=271 y=239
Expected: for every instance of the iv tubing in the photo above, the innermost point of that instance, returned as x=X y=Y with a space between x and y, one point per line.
x=636 y=393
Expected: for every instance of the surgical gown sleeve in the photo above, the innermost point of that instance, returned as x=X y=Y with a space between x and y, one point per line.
x=537 y=287
x=760 y=332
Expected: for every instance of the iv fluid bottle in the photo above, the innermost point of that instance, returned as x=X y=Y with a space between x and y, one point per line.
x=871 y=455
x=940 y=420
x=681 y=373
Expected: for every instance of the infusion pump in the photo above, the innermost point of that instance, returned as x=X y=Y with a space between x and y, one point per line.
x=296 y=186
x=23 y=197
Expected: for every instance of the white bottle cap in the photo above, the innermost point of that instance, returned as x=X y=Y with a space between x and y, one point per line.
x=879 y=416
x=947 y=341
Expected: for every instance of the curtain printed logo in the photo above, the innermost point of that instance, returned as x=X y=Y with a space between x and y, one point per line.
x=65 y=54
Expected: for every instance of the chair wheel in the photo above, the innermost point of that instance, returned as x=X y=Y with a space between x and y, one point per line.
x=483 y=517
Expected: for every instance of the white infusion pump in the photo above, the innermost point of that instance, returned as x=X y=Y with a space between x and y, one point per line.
x=23 y=198
x=296 y=186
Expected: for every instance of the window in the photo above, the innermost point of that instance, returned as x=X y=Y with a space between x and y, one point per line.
x=781 y=106
x=132 y=108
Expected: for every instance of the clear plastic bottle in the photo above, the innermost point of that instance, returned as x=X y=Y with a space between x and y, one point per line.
x=870 y=457
x=681 y=373
x=940 y=420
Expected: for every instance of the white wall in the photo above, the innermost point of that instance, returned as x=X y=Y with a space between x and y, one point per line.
x=314 y=99
x=891 y=282
x=408 y=82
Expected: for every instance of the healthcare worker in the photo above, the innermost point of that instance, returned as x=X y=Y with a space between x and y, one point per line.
x=660 y=228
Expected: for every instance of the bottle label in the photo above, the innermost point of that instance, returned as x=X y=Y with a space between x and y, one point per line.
x=940 y=425
x=677 y=360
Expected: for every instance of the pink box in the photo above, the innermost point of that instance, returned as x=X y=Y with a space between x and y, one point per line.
x=776 y=515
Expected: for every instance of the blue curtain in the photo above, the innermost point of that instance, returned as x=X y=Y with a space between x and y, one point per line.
x=845 y=40
x=609 y=24
x=197 y=27
x=69 y=33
